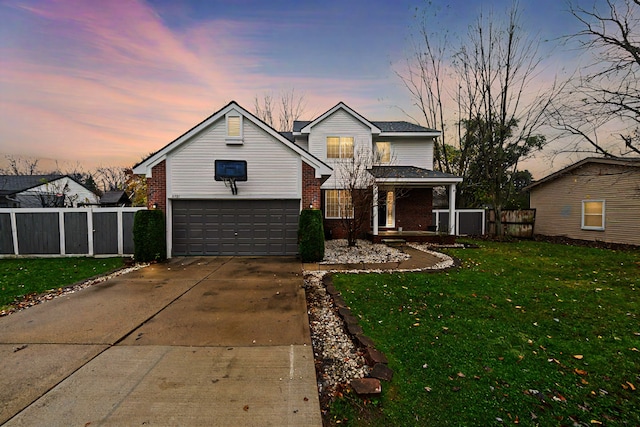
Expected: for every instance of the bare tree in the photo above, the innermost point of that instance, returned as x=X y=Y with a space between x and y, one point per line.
x=601 y=106
x=424 y=76
x=354 y=177
x=111 y=178
x=490 y=98
x=21 y=166
x=288 y=107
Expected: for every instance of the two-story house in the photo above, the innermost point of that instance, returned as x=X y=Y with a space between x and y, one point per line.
x=232 y=185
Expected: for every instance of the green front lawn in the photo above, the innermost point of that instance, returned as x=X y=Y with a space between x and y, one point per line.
x=531 y=333
x=20 y=277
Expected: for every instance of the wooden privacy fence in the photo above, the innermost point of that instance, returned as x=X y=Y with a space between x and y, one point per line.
x=515 y=222
x=87 y=231
x=468 y=221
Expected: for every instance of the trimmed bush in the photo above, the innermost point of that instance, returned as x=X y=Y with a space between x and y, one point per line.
x=311 y=235
x=149 y=236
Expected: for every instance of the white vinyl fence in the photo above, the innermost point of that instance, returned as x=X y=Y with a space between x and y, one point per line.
x=49 y=232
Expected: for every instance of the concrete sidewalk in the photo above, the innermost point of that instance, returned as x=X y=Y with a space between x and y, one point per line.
x=197 y=341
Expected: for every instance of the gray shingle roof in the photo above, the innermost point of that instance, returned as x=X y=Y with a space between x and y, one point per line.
x=10 y=184
x=386 y=126
x=407 y=172
x=110 y=197
x=288 y=135
x=401 y=126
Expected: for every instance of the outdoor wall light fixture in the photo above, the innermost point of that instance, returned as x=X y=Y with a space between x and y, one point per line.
x=154 y=206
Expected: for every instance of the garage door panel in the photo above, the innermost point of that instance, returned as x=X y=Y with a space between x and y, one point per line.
x=235 y=227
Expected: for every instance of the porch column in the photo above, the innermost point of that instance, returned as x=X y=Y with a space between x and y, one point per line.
x=374 y=214
x=452 y=209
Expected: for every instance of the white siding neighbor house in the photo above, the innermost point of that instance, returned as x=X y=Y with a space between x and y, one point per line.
x=43 y=191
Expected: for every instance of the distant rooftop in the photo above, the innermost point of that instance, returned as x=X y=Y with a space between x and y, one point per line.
x=10 y=184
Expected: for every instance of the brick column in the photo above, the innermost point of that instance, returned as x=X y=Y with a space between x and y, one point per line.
x=157 y=187
x=310 y=188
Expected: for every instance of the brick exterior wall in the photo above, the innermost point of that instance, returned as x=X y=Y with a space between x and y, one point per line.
x=157 y=187
x=310 y=188
x=414 y=209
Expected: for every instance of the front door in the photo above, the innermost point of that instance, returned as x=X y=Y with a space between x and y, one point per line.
x=386 y=209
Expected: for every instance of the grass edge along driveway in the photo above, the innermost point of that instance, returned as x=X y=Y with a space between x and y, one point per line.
x=527 y=333
x=25 y=276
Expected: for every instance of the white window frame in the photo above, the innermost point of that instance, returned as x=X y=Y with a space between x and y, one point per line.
x=342 y=154
x=341 y=207
x=584 y=214
x=385 y=152
x=234 y=139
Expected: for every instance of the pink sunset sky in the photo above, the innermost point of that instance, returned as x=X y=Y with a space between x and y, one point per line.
x=104 y=83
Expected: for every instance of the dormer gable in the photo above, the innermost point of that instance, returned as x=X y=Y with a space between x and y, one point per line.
x=306 y=129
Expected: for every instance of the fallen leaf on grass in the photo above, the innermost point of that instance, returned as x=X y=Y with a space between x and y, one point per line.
x=578 y=356
x=596 y=422
x=427 y=388
x=461 y=375
x=580 y=371
x=628 y=386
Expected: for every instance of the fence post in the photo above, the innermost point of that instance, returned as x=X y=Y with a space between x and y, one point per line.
x=90 y=231
x=120 y=234
x=14 y=232
x=63 y=246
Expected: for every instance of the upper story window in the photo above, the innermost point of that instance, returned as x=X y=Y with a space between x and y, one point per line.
x=339 y=147
x=234 y=129
x=383 y=152
x=593 y=214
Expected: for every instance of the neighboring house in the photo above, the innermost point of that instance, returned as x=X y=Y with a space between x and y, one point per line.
x=115 y=199
x=594 y=199
x=43 y=191
x=278 y=174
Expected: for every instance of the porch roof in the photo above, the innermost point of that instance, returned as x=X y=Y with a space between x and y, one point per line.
x=412 y=175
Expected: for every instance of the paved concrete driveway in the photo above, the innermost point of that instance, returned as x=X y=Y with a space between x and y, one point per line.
x=198 y=341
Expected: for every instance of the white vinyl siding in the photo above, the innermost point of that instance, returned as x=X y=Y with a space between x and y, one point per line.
x=339 y=123
x=593 y=214
x=273 y=170
x=413 y=152
x=337 y=204
x=73 y=194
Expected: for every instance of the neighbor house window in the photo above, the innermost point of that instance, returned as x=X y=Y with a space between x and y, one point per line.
x=234 y=127
x=593 y=214
x=339 y=147
x=383 y=151
x=337 y=204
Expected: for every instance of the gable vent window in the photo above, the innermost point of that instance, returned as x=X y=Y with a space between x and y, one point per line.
x=593 y=214
x=234 y=129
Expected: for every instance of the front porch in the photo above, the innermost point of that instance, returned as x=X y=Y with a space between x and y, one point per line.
x=412 y=236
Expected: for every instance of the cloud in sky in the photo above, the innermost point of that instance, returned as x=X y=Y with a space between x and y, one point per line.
x=107 y=82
